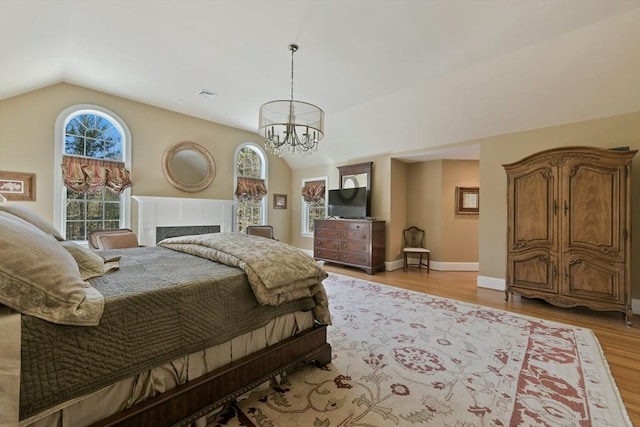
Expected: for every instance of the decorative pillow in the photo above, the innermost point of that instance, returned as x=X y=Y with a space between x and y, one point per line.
x=40 y=278
x=90 y=263
x=118 y=240
x=32 y=218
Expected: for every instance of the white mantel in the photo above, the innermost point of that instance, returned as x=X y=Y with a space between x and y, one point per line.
x=156 y=211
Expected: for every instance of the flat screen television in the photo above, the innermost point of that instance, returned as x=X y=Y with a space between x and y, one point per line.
x=348 y=203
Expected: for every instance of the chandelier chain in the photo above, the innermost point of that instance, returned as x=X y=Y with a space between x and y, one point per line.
x=293 y=48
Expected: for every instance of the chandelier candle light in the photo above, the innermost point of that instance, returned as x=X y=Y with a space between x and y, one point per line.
x=290 y=126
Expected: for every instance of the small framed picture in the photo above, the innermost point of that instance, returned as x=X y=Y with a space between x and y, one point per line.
x=279 y=201
x=18 y=186
x=467 y=200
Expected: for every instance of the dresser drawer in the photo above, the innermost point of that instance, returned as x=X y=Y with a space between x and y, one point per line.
x=355 y=258
x=326 y=254
x=354 y=235
x=346 y=245
x=341 y=225
x=327 y=233
x=358 y=226
x=323 y=223
x=326 y=244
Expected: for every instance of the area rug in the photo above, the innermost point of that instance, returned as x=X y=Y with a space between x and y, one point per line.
x=403 y=358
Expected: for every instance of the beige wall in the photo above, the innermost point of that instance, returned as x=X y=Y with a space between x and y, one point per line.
x=27 y=145
x=460 y=233
x=430 y=187
x=399 y=203
x=27 y=138
x=424 y=195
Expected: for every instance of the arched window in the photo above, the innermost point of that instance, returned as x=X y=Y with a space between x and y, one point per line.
x=91 y=172
x=250 y=185
x=314 y=203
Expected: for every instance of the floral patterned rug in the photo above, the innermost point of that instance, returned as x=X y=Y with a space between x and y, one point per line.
x=402 y=358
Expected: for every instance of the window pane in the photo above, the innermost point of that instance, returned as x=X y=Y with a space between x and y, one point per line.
x=112 y=211
x=93 y=136
x=110 y=225
x=75 y=211
x=111 y=197
x=95 y=196
x=75 y=231
x=95 y=210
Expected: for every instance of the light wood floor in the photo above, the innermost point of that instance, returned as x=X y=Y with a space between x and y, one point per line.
x=621 y=344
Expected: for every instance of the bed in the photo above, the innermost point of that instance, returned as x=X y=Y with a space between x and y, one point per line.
x=159 y=335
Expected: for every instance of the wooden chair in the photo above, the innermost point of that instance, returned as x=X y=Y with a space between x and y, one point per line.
x=112 y=239
x=261 y=230
x=414 y=246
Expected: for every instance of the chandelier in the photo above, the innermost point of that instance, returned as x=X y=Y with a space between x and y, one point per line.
x=290 y=126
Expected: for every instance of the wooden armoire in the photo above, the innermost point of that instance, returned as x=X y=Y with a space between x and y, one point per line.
x=569 y=228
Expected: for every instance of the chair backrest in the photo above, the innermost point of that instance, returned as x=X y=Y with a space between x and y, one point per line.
x=260 y=230
x=413 y=237
x=112 y=239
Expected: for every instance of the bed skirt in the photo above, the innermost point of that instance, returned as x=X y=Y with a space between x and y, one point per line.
x=88 y=409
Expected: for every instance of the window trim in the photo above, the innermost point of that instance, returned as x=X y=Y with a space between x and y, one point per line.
x=264 y=175
x=59 y=190
x=304 y=221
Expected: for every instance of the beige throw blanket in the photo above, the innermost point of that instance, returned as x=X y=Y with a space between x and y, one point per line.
x=276 y=271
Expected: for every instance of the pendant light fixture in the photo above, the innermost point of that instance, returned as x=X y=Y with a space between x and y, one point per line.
x=290 y=126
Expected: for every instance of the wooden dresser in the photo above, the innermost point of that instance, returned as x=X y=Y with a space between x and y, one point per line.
x=569 y=228
x=356 y=243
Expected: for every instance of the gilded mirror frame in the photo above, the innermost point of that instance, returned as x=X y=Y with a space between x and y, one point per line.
x=171 y=175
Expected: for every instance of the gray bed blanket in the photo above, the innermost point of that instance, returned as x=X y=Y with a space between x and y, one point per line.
x=160 y=305
x=277 y=272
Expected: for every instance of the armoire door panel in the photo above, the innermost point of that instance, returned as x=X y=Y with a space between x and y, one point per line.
x=533 y=220
x=534 y=270
x=592 y=279
x=593 y=217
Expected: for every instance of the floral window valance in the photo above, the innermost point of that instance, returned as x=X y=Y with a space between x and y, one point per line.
x=313 y=191
x=250 y=189
x=86 y=175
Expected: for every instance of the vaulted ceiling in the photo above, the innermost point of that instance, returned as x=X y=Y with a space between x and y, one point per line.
x=394 y=77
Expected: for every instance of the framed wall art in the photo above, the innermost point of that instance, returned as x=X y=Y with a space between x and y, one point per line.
x=467 y=200
x=279 y=201
x=18 y=186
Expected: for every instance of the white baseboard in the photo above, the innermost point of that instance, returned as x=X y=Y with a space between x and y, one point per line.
x=635 y=306
x=490 y=283
x=393 y=265
x=435 y=265
x=454 y=266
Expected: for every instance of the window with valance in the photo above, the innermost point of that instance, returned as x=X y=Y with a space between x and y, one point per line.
x=314 y=204
x=250 y=186
x=92 y=156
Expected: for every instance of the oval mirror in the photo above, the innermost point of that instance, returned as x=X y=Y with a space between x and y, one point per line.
x=188 y=166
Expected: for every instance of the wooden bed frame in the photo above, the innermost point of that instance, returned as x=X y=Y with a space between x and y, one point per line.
x=188 y=402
